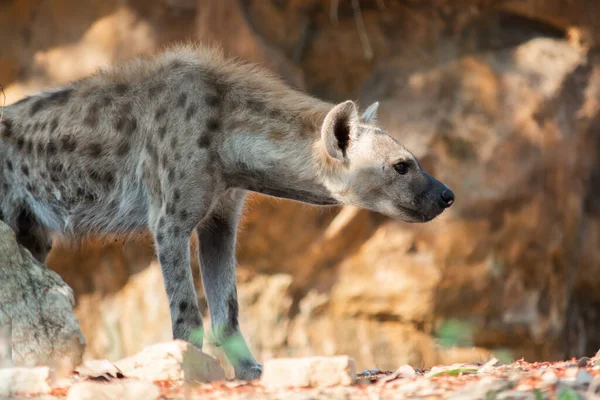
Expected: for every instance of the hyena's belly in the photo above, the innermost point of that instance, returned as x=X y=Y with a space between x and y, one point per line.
x=72 y=201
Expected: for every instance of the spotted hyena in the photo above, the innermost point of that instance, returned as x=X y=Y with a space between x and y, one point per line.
x=172 y=143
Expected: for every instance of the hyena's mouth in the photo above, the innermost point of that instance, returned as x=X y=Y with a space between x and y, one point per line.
x=412 y=215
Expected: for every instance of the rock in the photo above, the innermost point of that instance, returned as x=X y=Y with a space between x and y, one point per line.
x=549 y=377
x=405 y=371
x=176 y=360
x=583 y=378
x=123 y=390
x=36 y=309
x=583 y=362
x=98 y=369
x=308 y=372
x=21 y=380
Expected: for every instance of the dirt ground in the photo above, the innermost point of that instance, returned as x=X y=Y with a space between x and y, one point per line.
x=572 y=379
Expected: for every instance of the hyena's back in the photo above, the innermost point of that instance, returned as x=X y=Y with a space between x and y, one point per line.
x=87 y=156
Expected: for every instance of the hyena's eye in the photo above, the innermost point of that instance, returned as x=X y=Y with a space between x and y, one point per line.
x=401 y=168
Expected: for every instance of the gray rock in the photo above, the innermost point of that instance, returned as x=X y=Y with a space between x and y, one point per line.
x=37 y=323
x=30 y=381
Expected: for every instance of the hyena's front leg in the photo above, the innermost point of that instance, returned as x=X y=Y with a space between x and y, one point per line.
x=217 y=259
x=172 y=225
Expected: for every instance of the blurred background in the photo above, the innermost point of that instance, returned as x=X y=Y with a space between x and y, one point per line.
x=500 y=99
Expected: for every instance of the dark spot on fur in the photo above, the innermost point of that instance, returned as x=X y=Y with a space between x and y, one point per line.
x=176 y=230
x=36 y=127
x=173 y=143
x=25 y=169
x=171 y=209
x=156 y=89
x=176 y=64
x=162 y=131
x=176 y=195
x=108 y=178
x=177 y=156
x=197 y=320
x=183 y=215
x=126 y=125
x=106 y=100
x=212 y=100
x=275 y=113
x=123 y=148
x=60 y=97
x=159 y=237
x=256 y=105
x=92 y=116
x=161 y=223
x=179 y=321
x=56 y=170
x=7 y=128
x=95 y=175
x=183 y=306
x=30 y=188
x=9 y=165
x=203 y=141
x=160 y=113
x=191 y=110
x=152 y=151
x=53 y=124
x=163 y=259
x=37 y=106
x=181 y=100
x=20 y=143
x=68 y=144
x=213 y=124
x=232 y=310
x=94 y=150
x=171 y=174
x=40 y=148
x=51 y=147
x=28 y=147
x=126 y=108
x=131 y=127
x=121 y=89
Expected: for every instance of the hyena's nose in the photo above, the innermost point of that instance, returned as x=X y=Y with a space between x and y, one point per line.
x=448 y=197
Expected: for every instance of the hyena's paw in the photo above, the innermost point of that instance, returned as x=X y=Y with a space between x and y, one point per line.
x=248 y=371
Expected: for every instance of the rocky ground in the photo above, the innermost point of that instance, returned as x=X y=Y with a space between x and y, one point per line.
x=176 y=370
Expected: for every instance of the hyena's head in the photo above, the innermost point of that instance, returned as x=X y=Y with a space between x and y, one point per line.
x=377 y=172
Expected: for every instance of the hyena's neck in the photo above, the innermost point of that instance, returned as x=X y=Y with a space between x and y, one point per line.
x=280 y=153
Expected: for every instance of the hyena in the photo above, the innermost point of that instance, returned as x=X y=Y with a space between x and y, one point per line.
x=172 y=143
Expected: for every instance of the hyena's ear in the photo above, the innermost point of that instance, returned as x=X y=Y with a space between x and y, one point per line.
x=339 y=128
x=370 y=114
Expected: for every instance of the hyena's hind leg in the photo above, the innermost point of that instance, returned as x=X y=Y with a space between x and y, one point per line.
x=32 y=235
x=216 y=237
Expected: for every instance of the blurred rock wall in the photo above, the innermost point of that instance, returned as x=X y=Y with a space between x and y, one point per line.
x=499 y=99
